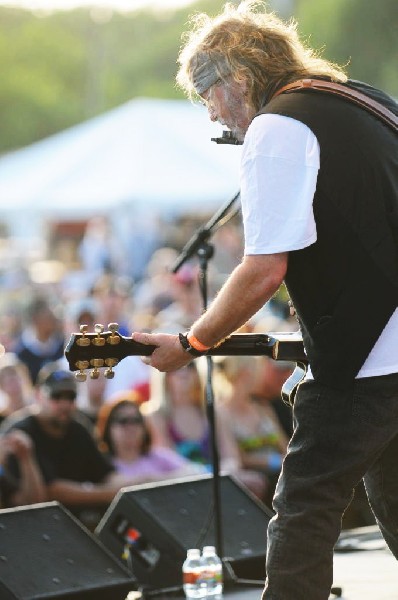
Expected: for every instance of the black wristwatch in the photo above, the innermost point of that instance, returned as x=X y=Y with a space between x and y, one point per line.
x=183 y=337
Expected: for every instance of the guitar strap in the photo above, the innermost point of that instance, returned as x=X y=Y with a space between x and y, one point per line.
x=377 y=109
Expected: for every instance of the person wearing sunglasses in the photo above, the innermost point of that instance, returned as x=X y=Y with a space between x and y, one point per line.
x=125 y=437
x=74 y=470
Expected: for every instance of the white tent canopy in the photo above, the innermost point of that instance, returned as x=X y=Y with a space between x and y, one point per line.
x=148 y=154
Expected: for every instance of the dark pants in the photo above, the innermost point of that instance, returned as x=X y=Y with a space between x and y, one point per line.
x=339 y=438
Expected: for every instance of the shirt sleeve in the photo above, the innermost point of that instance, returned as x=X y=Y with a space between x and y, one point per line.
x=279 y=169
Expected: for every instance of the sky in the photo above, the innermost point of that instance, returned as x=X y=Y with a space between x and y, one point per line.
x=123 y=5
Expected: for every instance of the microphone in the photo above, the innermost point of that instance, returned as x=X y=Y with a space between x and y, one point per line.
x=227 y=138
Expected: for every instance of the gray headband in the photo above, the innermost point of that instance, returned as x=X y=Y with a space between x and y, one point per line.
x=207 y=70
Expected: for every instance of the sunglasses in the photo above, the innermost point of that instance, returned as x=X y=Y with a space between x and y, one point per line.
x=66 y=395
x=127 y=421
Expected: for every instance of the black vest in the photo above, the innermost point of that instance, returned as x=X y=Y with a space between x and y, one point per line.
x=345 y=286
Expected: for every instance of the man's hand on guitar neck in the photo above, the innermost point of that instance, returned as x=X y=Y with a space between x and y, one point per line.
x=169 y=354
x=250 y=285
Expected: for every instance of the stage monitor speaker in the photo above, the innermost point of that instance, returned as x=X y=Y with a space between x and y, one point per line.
x=150 y=527
x=45 y=553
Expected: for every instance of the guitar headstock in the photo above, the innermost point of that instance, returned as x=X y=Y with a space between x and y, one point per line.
x=100 y=350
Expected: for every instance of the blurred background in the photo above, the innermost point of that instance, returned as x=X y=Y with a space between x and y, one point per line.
x=92 y=125
x=106 y=172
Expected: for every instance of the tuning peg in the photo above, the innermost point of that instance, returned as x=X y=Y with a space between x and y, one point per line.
x=83 y=341
x=98 y=340
x=96 y=363
x=109 y=373
x=113 y=339
x=82 y=365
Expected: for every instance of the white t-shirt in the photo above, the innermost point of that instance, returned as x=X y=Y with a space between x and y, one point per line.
x=279 y=169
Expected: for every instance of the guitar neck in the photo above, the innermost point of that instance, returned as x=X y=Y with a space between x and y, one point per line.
x=279 y=346
x=108 y=348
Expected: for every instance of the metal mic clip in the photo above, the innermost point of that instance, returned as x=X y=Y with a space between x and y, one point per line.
x=227 y=138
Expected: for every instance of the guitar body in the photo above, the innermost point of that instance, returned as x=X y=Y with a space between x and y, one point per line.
x=105 y=349
x=289 y=388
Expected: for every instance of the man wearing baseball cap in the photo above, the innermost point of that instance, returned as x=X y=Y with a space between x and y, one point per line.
x=74 y=470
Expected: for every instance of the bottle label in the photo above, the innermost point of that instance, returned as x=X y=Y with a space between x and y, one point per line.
x=211 y=577
x=190 y=577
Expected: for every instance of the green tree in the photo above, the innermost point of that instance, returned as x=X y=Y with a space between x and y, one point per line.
x=41 y=79
x=360 y=34
x=61 y=68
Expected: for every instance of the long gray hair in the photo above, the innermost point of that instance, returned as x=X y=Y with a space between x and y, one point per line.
x=250 y=46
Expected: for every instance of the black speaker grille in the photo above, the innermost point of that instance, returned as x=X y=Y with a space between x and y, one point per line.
x=46 y=553
x=186 y=511
x=170 y=517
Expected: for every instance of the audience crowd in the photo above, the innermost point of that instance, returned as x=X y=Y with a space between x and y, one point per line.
x=80 y=442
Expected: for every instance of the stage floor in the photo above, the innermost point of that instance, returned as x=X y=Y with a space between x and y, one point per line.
x=367 y=575
x=362 y=575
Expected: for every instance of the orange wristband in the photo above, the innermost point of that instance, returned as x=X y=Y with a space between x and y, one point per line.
x=195 y=343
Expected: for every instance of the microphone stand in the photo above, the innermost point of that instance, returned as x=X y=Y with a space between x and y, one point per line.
x=204 y=232
x=200 y=246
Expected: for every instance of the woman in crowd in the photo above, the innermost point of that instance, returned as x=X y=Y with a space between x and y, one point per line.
x=125 y=437
x=256 y=428
x=177 y=418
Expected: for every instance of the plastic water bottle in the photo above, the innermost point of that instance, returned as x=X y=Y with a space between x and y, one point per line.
x=212 y=572
x=192 y=569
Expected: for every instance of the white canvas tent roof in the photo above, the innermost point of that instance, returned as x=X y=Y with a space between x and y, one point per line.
x=155 y=155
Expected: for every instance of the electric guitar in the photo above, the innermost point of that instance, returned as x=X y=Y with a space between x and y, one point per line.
x=105 y=349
